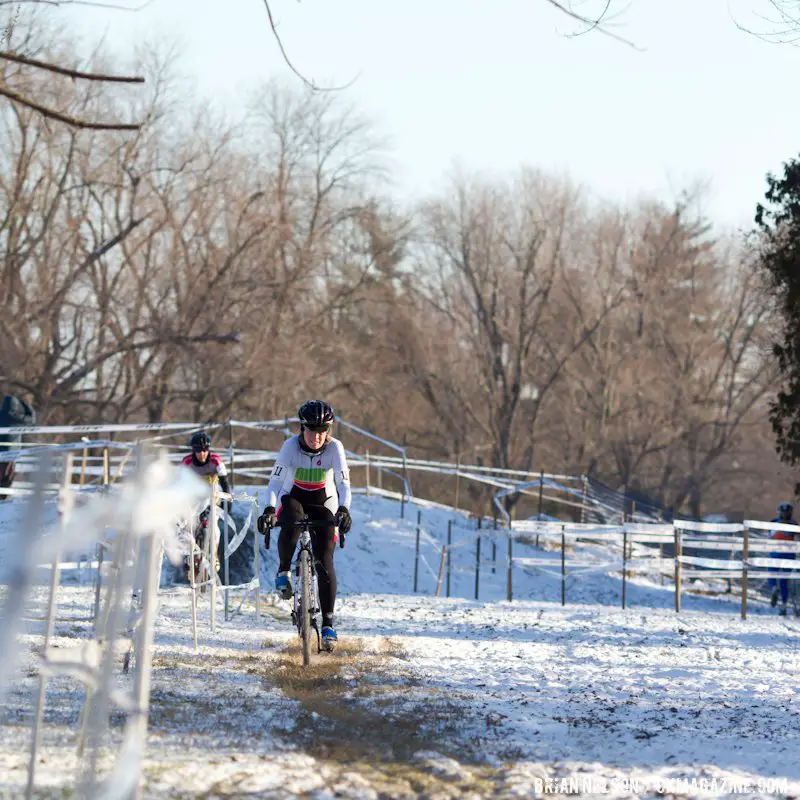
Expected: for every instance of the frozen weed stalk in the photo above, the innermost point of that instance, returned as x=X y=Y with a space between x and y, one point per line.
x=135 y=523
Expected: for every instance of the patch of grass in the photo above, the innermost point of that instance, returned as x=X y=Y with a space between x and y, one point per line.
x=321 y=677
x=208 y=662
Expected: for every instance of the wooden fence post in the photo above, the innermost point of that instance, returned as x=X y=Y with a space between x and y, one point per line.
x=745 y=556
x=458 y=478
x=624 y=564
x=677 y=569
x=416 y=556
x=449 y=541
x=477 y=566
x=563 y=567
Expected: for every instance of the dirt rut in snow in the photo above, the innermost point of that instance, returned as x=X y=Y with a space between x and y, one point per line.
x=368 y=718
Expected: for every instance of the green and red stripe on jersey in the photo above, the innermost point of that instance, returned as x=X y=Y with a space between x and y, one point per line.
x=309 y=478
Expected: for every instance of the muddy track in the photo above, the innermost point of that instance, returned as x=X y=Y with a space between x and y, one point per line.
x=370 y=721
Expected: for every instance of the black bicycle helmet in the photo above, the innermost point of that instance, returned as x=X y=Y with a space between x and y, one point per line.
x=200 y=441
x=316 y=415
x=785 y=510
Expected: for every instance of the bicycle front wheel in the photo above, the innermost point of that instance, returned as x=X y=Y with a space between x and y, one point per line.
x=305 y=605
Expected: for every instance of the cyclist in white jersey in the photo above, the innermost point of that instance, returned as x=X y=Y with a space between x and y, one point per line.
x=310 y=478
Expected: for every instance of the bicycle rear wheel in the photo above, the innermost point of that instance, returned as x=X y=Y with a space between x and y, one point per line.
x=305 y=605
x=200 y=562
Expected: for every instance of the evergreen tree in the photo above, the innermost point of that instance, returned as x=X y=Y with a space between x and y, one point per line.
x=778 y=220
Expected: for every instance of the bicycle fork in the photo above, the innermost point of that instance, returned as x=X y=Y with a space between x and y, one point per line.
x=315 y=611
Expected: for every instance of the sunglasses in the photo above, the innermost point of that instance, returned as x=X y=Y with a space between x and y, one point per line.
x=199 y=449
x=318 y=428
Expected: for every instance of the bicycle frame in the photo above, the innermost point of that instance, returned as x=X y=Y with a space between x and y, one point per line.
x=305 y=602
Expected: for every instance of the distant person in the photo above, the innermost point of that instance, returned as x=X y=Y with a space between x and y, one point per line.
x=13 y=413
x=206 y=464
x=210 y=467
x=780 y=586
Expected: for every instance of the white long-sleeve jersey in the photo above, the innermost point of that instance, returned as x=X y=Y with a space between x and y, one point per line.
x=322 y=478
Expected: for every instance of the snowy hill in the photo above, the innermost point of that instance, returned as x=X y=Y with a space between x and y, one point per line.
x=444 y=697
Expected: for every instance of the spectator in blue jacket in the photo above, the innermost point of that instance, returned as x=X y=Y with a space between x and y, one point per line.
x=781 y=585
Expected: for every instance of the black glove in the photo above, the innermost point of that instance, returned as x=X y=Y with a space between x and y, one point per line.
x=343 y=520
x=267 y=520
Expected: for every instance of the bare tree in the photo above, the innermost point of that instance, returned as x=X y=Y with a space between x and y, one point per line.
x=671 y=379
x=50 y=182
x=73 y=208
x=497 y=265
x=185 y=275
x=779 y=22
x=24 y=84
x=14 y=27
x=601 y=18
x=320 y=166
x=732 y=375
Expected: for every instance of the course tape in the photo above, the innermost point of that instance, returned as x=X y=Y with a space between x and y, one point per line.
x=233 y=544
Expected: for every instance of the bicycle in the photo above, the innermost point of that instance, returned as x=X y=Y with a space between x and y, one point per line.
x=196 y=565
x=199 y=573
x=305 y=601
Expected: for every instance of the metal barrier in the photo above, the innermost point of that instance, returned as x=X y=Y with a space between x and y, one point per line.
x=209 y=558
x=109 y=467
x=133 y=523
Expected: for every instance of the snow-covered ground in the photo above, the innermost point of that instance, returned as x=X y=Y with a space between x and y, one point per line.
x=445 y=697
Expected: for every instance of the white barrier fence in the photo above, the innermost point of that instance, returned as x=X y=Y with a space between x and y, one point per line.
x=101 y=463
x=134 y=525
x=683 y=552
x=635 y=554
x=630 y=547
x=130 y=527
x=203 y=559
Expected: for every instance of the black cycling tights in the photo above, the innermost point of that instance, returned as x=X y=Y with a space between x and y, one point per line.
x=322 y=543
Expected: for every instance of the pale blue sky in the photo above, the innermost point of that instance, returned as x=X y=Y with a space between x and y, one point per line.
x=493 y=85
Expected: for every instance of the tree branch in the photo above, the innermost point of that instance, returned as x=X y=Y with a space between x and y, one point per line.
x=310 y=84
x=65 y=118
x=69 y=382
x=70 y=73
x=592 y=23
x=789 y=19
x=60 y=3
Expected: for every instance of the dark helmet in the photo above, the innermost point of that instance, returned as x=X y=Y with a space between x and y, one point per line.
x=785 y=510
x=316 y=415
x=200 y=441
